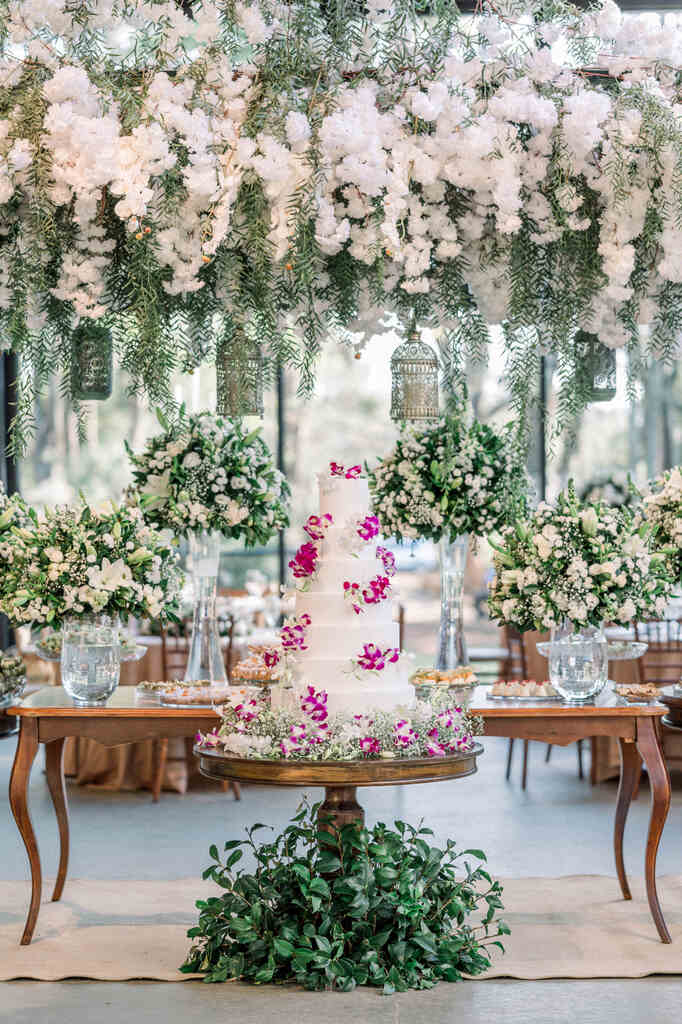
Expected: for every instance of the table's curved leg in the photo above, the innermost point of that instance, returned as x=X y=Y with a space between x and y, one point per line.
x=54 y=761
x=630 y=767
x=27 y=747
x=659 y=780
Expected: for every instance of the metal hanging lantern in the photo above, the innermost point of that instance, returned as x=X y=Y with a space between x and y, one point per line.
x=598 y=364
x=239 y=377
x=92 y=362
x=414 y=381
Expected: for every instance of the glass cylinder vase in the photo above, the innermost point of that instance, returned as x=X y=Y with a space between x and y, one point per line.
x=205 y=661
x=90 y=658
x=578 y=661
x=452 y=648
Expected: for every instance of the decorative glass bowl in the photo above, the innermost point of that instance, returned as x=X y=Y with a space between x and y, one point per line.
x=49 y=648
x=616 y=650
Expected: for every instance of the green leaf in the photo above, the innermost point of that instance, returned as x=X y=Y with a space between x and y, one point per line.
x=328 y=862
x=284 y=948
x=319 y=886
x=426 y=942
x=233 y=858
x=264 y=975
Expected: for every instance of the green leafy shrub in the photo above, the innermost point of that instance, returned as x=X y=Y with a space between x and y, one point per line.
x=336 y=909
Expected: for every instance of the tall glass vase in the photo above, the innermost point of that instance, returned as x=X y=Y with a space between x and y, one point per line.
x=205 y=661
x=452 y=648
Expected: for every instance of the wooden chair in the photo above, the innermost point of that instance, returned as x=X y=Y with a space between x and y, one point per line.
x=174 y=654
x=661 y=664
x=517 y=668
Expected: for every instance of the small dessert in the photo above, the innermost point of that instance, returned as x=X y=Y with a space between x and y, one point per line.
x=636 y=692
x=199 y=693
x=254 y=671
x=526 y=688
x=464 y=676
x=152 y=686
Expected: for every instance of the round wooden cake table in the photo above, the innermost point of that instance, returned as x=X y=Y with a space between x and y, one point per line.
x=339 y=778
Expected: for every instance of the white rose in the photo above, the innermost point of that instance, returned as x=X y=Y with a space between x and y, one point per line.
x=589 y=521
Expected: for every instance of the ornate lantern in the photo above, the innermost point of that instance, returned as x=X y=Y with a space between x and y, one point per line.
x=598 y=364
x=92 y=362
x=239 y=377
x=414 y=380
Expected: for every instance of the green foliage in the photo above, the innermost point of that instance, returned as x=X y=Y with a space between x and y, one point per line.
x=335 y=909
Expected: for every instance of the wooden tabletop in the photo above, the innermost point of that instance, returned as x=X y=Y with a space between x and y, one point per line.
x=52 y=701
x=607 y=702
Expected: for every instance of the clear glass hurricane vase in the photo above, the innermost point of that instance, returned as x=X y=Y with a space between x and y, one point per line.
x=90 y=658
x=452 y=648
x=578 y=661
x=205 y=660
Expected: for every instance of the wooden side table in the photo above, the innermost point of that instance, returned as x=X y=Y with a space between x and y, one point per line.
x=635 y=728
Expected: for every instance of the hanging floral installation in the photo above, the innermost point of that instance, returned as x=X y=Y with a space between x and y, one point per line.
x=233 y=173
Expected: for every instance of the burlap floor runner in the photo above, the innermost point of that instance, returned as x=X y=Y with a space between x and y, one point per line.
x=574 y=927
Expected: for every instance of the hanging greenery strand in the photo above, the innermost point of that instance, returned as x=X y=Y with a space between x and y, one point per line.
x=307 y=168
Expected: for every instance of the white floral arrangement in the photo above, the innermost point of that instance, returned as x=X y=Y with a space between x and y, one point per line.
x=253 y=729
x=445 y=480
x=663 y=509
x=13 y=513
x=587 y=563
x=204 y=472
x=283 y=169
x=83 y=559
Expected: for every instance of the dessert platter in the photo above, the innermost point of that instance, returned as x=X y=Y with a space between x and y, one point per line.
x=254 y=670
x=200 y=694
x=525 y=690
x=637 y=693
x=460 y=682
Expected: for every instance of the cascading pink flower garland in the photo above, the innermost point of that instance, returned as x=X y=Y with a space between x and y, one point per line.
x=336 y=469
x=368 y=528
x=317 y=526
x=388 y=559
x=377 y=590
x=374 y=659
x=304 y=562
x=291 y=641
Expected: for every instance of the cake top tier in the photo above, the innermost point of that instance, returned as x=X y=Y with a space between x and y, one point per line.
x=344 y=497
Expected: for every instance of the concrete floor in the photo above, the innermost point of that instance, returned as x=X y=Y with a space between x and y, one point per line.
x=559 y=826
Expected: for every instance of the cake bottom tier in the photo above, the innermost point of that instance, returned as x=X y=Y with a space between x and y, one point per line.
x=348 y=693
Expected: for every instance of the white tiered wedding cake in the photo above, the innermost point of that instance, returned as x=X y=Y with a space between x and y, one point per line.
x=350 y=643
